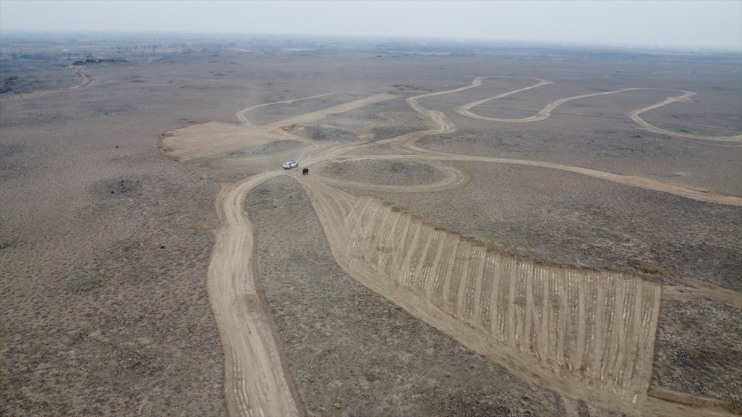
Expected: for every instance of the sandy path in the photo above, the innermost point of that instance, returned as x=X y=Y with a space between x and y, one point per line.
x=442 y=124
x=452 y=178
x=698 y=194
x=587 y=334
x=216 y=138
x=696 y=289
x=667 y=403
x=255 y=384
x=340 y=108
x=465 y=109
x=545 y=113
x=242 y=114
x=634 y=115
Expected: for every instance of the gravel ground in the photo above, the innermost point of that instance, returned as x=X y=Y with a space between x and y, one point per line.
x=390 y=172
x=104 y=246
x=350 y=351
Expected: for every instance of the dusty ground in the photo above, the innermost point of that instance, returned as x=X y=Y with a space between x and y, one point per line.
x=106 y=246
x=353 y=353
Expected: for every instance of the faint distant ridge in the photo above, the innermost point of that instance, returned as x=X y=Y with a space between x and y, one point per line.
x=97 y=61
x=76 y=47
x=541 y=50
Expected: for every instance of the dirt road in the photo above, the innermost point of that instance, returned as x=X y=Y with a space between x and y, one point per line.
x=242 y=114
x=634 y=115
x=583 y=333
x=255 y=384
x=586 y=334
x=546 y=111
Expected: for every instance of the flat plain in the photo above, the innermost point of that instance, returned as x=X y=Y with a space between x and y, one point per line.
x=484 y=231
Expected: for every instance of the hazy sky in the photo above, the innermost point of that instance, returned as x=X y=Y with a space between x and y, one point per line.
x=713 y=24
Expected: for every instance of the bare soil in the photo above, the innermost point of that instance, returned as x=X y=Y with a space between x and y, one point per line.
x=111 y=299
x=350 y=351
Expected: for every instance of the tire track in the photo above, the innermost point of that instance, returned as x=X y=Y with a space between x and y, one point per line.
x=596 y=308
x=321 y=114
x=634 y=115
x=215 y=138
x=546 y=111
x=693 y=193
x=587 y=334
x=254 y=379
x=242 y=114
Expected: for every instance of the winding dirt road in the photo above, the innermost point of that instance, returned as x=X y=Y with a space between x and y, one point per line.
x=241 y=115
x=546 y=112
x=586 y=334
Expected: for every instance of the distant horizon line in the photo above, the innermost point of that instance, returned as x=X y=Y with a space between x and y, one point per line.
x=408 y=38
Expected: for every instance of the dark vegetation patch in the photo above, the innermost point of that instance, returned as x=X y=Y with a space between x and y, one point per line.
x=89 y=61
x=9 y=84
x=409 y=87
x=125 y=187
x=38 y=76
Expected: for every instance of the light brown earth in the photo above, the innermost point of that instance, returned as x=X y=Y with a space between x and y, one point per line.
x=568 y=337
x=587 y=334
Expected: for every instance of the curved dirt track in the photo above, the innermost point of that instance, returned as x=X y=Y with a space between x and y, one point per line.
x=340 y=108
x=692 y=193
x=442 y=124
x=634 y=115
x=452 y=178
x=214 y=138
x=242 y=114
x=255 y=384
x=587 y=334
x=546 y=111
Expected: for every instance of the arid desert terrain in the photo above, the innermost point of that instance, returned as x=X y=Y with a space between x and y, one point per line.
x=484 y=230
